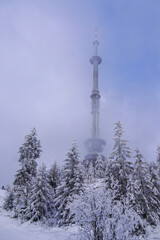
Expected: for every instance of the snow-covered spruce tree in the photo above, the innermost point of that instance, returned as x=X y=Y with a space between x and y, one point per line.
x=108 y=173
x=99 y=167
x=158 y=160
x=120 y=166
x=147 y=203
x=158 y=155
x=90 y=173
x=54 y=176
x=71 y=185
x=155 y=173
x=155 y=178
x=29 y=153
x=8 y=201
x=40 y=200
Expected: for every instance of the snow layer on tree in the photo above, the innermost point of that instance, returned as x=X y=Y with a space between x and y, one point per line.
x=11 y=229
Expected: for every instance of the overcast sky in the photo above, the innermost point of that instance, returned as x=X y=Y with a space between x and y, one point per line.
x=46 y=77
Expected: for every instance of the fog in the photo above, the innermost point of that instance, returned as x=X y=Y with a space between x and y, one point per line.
x=46 y=77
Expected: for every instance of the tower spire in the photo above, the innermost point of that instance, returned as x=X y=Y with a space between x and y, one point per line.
x=95 y=144
x=96 y=33
x=95 y=43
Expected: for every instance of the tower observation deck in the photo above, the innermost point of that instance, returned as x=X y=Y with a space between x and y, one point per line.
x=94 y=144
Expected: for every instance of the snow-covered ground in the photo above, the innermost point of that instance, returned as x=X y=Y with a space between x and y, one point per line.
x=155 y=234
x=11 y=229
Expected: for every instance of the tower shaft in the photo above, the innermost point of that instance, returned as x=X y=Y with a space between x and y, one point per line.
x=95 y=76
x=94 y=144
x=95 y=96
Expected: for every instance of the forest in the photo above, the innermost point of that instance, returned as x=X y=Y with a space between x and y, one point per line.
x=112 y=198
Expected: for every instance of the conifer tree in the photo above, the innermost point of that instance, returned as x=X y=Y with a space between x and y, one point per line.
x=147 y=204
x=90 y=172
x=158 y=155
x=158 y=160
x=8 y=201
x=109 y=177
x=120 y=167
x=99 y=167
x=40 y=200
x=71 y=185
x=54 y=176
x=29 y=152
x=155 y=179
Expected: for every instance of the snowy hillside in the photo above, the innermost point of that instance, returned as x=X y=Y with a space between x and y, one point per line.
x=11 y=229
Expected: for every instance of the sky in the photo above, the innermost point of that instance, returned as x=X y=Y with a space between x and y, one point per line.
x=46 y=76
